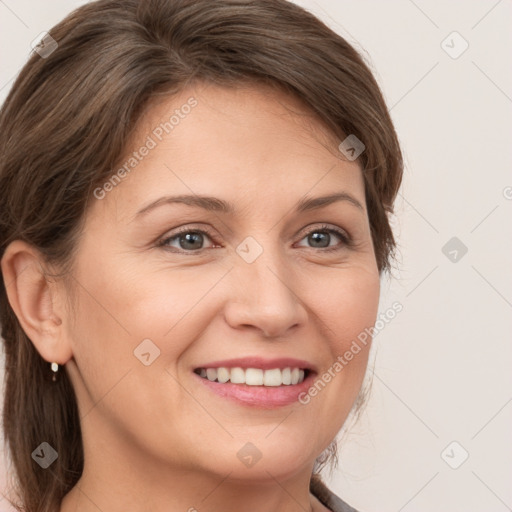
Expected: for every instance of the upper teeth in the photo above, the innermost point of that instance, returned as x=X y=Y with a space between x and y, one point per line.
x=254 y=376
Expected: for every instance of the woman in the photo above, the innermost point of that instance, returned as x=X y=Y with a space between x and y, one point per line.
x=194 y=228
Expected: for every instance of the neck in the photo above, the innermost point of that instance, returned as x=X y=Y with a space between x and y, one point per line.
x=118 y=477
x=191 y=493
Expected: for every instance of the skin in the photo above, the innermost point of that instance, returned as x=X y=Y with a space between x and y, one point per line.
x=154 y=437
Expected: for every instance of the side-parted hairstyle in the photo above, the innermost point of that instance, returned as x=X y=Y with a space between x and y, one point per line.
x=71 y=113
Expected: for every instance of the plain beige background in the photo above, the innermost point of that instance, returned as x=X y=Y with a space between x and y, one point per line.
x=442 y=385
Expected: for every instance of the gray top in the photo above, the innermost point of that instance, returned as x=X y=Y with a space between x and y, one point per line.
x=328 y=498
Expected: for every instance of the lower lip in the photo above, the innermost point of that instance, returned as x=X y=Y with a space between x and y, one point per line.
x=268 y=397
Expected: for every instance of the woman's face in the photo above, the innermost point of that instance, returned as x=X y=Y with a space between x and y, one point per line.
x=265 y=283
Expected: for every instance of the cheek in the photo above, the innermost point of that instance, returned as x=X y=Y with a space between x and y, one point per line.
x=346 y=313
x=122 y=308
x=348 y=306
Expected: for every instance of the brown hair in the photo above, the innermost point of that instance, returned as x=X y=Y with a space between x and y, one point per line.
x=68 y=119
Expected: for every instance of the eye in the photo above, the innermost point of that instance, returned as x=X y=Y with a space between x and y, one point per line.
x=187 y=240
x=321 y=237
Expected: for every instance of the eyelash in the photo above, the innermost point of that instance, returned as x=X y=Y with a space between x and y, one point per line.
x=345 y=238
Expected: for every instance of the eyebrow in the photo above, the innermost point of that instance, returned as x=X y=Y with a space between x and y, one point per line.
x=215 y=204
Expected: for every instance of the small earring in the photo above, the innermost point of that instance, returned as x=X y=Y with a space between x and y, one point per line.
x=55 y=369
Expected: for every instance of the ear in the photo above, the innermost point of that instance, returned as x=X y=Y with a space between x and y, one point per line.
x=35 y=300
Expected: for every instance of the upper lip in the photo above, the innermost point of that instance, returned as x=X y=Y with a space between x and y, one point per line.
x=261 y=363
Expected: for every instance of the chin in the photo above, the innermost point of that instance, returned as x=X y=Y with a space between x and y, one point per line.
x=261 y=459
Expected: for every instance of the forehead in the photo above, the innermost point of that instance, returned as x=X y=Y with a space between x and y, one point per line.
x=254 y=143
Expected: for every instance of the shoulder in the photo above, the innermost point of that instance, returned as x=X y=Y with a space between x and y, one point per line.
x=327 y=497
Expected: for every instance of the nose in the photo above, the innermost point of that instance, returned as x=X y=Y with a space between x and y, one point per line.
x=263 y=297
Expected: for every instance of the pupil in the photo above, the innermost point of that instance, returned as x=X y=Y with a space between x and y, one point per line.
x=191 y=238
x=317 y=237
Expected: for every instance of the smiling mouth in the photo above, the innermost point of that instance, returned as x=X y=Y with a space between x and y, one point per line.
x=274 y=377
